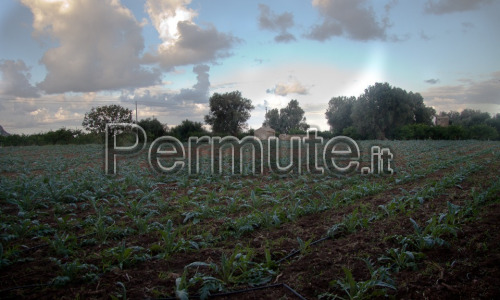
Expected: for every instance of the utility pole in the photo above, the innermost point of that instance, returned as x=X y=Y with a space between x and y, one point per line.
x=135 y=112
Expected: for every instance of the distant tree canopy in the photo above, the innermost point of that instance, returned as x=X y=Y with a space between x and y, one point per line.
x=95 y=121
x=228 y=113
x=153 y=128
x=288 y=119
x=338 y=113
x=468 y=117
x=377 y=112
x=186 y=129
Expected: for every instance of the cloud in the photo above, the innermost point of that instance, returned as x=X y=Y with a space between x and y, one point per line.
x=99 y=44
x=183 y=41
x=424 y=36
x=441 y=7
x=15 y=80
x=284 y=89
x=198 y=94
x=432 y=81
x=276 y=23
x=468 y=94
x=466 y=26
x=44 y=116
x=351 y=18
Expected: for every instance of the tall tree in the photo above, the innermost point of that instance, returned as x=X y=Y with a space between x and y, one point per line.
x=422 y=114
x=338 y=113
x=382 y=109
x=273 y=119
x=292 y=117
x=228 y=113
x=289 y=118
x=95 y=121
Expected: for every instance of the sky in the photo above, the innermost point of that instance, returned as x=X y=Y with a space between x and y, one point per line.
x=60 y=58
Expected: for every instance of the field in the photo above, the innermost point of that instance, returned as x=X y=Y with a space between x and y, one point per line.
x=430 y=230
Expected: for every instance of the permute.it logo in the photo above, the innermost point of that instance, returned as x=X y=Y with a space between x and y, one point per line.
x=167 y=155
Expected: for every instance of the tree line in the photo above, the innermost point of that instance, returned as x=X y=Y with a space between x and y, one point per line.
x=386 y=112
x=381 y=112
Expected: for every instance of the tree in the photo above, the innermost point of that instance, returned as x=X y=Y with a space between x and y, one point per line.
x=494 y=122
x=422 y=114
x=273 y=119
x=153 y=127
x=338 y=113
x=289 y=119
x=186 y=129
x=228 y=113
x=95 y=121
x=471 y=117
x=382 y=109
x=483 y=132
x=292 y=117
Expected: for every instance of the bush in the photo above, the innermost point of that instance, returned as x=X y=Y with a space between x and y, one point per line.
x=351 y=132
x=483 y=132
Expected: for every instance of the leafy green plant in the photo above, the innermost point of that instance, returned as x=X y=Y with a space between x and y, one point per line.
x=376 y=286
x=62 y=244
x=122 y=293
x=304 y=246
x=123 y=256
x=74 y=270
x=429 y=236
x=399 y=259
x=237 y=268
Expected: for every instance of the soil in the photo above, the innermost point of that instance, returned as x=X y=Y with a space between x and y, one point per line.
x=469 y=268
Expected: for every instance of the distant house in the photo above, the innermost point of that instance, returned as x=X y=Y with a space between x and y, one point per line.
x=264 y=132
x=3 y=132
x=442 y=121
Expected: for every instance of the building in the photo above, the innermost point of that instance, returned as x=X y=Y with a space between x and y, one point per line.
x=442 y=121
x=264 y=132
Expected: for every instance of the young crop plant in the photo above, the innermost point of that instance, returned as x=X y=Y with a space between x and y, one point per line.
x=304 y=246
x=73 y=271
x=429 y=236
x=376 y=286
x=170 y=243
x=122 y=291
x=62 y=245
x=399 y=259
x=238 y=268
x=123 y=256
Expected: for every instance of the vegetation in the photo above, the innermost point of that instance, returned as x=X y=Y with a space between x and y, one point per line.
x=385 y=112
x=228 y=113
x=69 y=230
x=95 y=121
x=186 y=129
x=154 y=129
x=378 y=111
x=287 y=120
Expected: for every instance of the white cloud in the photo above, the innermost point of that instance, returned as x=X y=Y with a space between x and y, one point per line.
x=183 y=41
x=15 y=80
x=291 y=87
x=351 y=18
x=99 y=46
